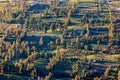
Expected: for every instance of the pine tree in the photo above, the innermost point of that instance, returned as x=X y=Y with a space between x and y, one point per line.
x=62 y=39
x=106 y=73
x=48 y=77
x=77 y=77
x=41 y=41
x=51 y=28
x=57 y=41
x=77 y=39
x=119 y=75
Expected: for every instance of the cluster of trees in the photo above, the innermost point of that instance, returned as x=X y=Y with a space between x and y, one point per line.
x=41 y=22
x=8 y=9
x=80 y=71
x=55 y=59
x=107 y=75
x=15 y=31
x=53 y=62
x=17 y=54
x=11 y=52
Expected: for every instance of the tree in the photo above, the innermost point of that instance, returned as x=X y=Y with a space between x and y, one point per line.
x=41 y=41
x=83 y=73
x=51 y=28
x=118 y=75
x=86 y=48
x=75 y=69
x=57 y=3
x=25 y=24
x=33 y=73
x=51 y=44
x=38 y=78
x=59 y=28
x=46 y=11
x=45 y=29
x=19 y=16
x=77 y=39
x=70 y=34
x=6 y=58
x=93 y=49
x=34 y=48
x=48 y=77
x=106 y=73
x=96 y=78
x=98 y=42
x=28 y=51
x=1 y=69
x=57 y=41
x=77 y=77
x=62 y=39
x=87 y=29
x=13 y=53
x=69 y=16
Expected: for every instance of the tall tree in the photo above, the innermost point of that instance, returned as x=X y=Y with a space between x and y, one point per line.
x=41 y=41
x=118 y=75
x=48 y=77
